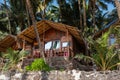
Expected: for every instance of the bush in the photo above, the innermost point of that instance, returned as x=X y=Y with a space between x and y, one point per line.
x=38 y=64
x=12 y=58
x=104 y=55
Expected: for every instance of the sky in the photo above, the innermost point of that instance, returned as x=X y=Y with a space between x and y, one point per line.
x=1 y=1
x=110 y=7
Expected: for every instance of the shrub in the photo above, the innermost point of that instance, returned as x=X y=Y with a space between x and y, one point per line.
x=105 y=55
x=12 y=58
x=38 y=64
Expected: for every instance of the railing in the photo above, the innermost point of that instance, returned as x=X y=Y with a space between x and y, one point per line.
x=65 y=52
x=57 y=52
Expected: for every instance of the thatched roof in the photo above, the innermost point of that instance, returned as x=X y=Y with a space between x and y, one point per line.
x=7 y=42
x=112 y=24
x=44 y=25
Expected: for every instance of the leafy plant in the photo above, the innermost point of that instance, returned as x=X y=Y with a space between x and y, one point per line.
x=103 y=55
x=12 y=57
x=38 y=64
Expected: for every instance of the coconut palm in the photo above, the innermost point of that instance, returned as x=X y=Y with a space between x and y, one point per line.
x=79 y=5
x=52 y=13
x=3 y=19
x=35 y=28
x=117 y=3
x=7 y=14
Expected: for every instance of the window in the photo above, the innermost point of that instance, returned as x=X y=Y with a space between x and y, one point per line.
x=65 y=44
x=112 y=41
x=52 y=45
x=56 y=44
x=48 y=45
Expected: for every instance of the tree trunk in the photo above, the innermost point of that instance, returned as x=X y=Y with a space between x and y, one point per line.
x=35 y=29
x=93 y=15
x=79 y=5
x=9 y=25
x=28 y=19
x=93 y=12
x=84 y=13
x=60 y=10
x=117 y=3
x=44 y=4
x=85 y=26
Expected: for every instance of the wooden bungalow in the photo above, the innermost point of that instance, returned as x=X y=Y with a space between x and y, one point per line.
x=57 y=40
x=8 y=41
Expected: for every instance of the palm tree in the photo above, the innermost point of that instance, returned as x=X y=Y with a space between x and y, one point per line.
x=79 y=4
x=9 y=25
x=94 y=8
x=112 y=15
x=68 y=12
x=35 y=28
x=84 y=13
x=4 y=19
x=18 y=13
x=117 y=3
x=41 y=9
x=52 y=13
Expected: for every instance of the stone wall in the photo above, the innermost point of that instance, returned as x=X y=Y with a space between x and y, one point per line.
x=61 y=75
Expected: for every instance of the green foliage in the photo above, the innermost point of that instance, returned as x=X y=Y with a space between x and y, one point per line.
x=105 y=55
x=38 y=64
x=12 y=57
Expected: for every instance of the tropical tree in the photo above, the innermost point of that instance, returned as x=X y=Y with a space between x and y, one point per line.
x=52 y=13
x=103 y=56
x=18 y=14
x=117 y=3
x=42 y=8
x=35 y=28
x=79 y=5
x=84 y=13
x=7 y=14
x=4 y=19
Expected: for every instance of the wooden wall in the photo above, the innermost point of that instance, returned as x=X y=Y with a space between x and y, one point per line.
x=53 y=34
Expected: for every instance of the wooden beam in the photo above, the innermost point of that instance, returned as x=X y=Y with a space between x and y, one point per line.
x=26 y=38
x=55 y=26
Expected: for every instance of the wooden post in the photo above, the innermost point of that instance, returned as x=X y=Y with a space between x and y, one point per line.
x=32 y=49
x=24 y=44
x=68 y=50
x=44 y=40
x=71 y=48
x=18 y=43
x=60 y=47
